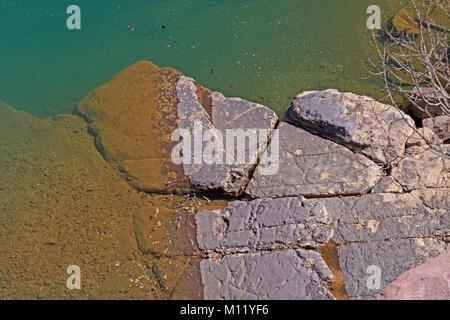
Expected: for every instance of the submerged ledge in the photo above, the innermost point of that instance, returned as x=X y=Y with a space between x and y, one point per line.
x=98 y=189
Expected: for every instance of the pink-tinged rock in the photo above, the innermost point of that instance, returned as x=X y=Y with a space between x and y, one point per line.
x=429 y=281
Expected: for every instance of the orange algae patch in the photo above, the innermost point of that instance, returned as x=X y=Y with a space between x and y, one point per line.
x=330 y=255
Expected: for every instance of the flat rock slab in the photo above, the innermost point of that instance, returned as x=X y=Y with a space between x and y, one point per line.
x=424 y=167
x=264 y=225
x=429 y=281
x=378 y=236
x=385 y=235
x=312 y=166
x=360 y=123
x=286 y=275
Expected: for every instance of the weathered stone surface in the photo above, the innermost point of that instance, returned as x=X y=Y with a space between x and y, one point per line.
x=134 y=115
x=424 y=167
x=426 y=100
x=387 y=185
x=394 y=233
x=360 y=123
x=391 y=258
x=440 y=125
x=227 y=115
x=248 y=241
x=377 y=217
x=429 y=281
x=423 y=136
x=264 y=225
x=287 y=275
x=312 y=166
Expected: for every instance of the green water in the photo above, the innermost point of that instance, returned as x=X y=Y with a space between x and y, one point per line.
x=270 y=49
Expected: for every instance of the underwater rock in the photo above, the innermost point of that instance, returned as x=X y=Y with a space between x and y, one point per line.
x=429 y=281
x=60 y=198
x=424 y=167
x=360 y=123
x=312 y=166
x=404 y=21
x=61 y=204
x=440 y=125
x=134 y=116
x=282 y=275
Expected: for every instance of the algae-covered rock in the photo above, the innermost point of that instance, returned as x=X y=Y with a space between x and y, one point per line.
x=61 y=204
x=132 y=117
x=135 y=115
x=404 y=21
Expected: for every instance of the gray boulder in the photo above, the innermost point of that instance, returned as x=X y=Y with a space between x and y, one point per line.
x=230 y=118
x=360 y=123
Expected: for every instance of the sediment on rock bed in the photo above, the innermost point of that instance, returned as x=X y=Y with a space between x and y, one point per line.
x=101 y=191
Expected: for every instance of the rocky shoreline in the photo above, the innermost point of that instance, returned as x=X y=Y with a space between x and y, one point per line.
x=355 y=190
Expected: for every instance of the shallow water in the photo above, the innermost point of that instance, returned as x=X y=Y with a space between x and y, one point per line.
x=261 y=50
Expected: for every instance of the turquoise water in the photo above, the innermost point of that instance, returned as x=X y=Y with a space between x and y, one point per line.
x=261 y=50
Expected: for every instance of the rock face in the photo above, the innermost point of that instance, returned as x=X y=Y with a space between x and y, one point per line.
x=254 y=240
x=312 y=166
x=388 y=232
x=135 y=115
x=429 y=281
x=286 y=275
x=362 y=124
x=244 y=120
x=264 y=225
x=425 y=103
x=400 y=220
x=440 y=125
x=424 y=167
